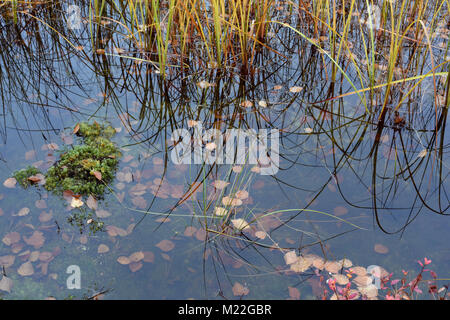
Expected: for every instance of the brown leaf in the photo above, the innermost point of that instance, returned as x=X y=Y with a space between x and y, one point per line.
x=11 y=238
x=26 y=269
x=36 y=240
x=6 y=284
x=339 y=211
x=40 y=204
x=137 y=256
x=102 y=213
x=97 y=174
x=7 y=261
x=76 y=129
x=379 y=248
x=102 y=248
x=45 y=216
x=135 y=266
x=123 y=260
x=10 y=183
x=166 y=245
x=91 y=202
x=189 y=231
x=240 y=290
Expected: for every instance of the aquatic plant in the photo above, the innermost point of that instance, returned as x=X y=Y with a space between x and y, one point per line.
x=86 y=168
x=25 y=176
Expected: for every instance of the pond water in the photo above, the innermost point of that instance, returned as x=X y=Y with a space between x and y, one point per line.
x=360 y=176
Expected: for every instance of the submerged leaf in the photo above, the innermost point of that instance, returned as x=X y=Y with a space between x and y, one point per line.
x=166 y=245
x=10 y=183
x=240 y=224
x=239 y=290
x=6 y=284
x=26 y=269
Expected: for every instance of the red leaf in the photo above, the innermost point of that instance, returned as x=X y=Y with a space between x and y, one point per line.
x=97 y=174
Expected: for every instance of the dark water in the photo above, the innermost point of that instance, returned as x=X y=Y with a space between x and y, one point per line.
x=345 y=183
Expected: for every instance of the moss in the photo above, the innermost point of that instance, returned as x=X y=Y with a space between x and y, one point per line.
x=76 y=168
x=22 y=176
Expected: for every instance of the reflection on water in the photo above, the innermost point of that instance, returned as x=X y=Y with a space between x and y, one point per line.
x=358 y=177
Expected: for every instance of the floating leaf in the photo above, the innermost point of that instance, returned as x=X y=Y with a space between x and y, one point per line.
x=262 y=104
x=301 y=265
x=102 y=213
x=295 y=89
x=166 y=245
x=91 y=202
x=40 y=204
x=11 y=238
x=219 y=211
x=341 y=279
x=246 y=104
x=23 y=212
x=339 y=210
x=123 y=260
x=137 y=256
x=242 y=194
x=379 y=248
x=6 y=284
x=240 y=224
x=370 y=291
x=102 y=248
x=333 y=266
x=76 y=129
x=135 y=266
x=97 y=174
x=45 y=256
x=36 y=240
x=189 y=231
x=10 y=183
x=346 y=263
x=359 y=271
x=290 y=257
x=7 y=261
x=76 y=202
x=220 y=184
x=26 y=269
x=261 y=235
x=239 y=290
x=234 y=202
x=362 y=281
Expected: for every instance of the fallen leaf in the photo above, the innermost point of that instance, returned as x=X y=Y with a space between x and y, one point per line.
x=97 y=174
x=239 y=290
x=262 y=104
x=246 y=104
x=379 y=248
x=91 y=202
x=261 y=235
x=333 y=266
x=240 y=224
x=76 y=129
x=136 y=256
x=233 y=202
x=76 y=202
x=7 y=261
x=123 y=260
x=290 y=257
x=339 y=211
x=102 y=213
x=135 y=266
x=11 y=238
x=242 y=194
x=189 y=231
x=422 y=153
x=301 y=265
x=23 y=212
x=6 y=284
x=340 y=279
x=165 y=245
x=295 y=89
x=26 y=269
x=36 y=240
x=220 y=184
x=45 y=216
x=40 y=204
x=219 y=211
x=102 y=248
x=10 y=183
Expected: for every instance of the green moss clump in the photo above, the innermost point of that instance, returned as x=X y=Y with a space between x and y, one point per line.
x=22 y=176
x=75 y=170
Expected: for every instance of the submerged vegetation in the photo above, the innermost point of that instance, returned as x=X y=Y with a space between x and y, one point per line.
x=83 y=169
